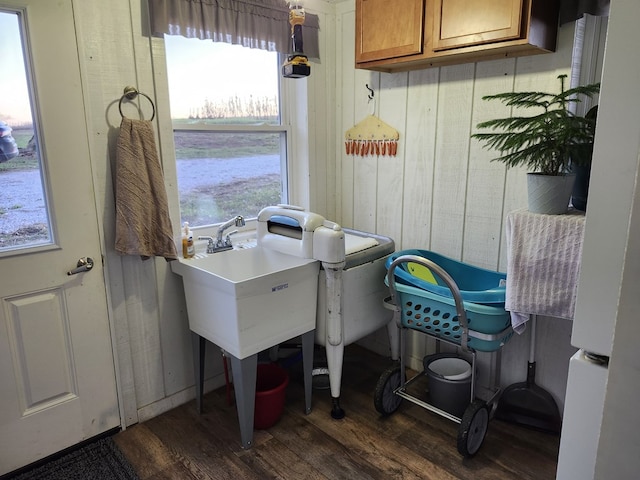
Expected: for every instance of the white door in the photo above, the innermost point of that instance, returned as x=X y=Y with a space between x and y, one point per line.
x=57 y=372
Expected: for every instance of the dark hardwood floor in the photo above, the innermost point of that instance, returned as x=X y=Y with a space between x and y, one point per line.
x=412 y=443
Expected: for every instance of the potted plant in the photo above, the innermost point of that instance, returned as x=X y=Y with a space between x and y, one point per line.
x=546 y=143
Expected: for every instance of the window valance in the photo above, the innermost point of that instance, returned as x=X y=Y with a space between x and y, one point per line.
x=571 y=10
x=262 y=24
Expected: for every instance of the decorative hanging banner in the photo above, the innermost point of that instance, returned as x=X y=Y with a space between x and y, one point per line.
x=371 y=137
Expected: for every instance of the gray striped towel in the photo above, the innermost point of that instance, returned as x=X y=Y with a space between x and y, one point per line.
x=143 y=226
x=543 y=263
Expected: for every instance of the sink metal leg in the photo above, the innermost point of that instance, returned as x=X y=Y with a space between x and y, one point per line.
x=307 y=367
x=199 y=346
x=244 y=381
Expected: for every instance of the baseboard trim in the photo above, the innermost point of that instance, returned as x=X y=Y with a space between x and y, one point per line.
x=179 y=398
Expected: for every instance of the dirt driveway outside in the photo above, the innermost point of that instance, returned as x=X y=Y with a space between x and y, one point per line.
x=22 y=204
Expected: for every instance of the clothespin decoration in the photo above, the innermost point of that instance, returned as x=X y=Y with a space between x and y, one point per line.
x=371 y=136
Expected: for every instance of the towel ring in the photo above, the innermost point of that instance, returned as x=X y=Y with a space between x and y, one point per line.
x=131 y=93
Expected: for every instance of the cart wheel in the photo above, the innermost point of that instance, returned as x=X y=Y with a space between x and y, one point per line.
x=385 y=401
x=473 y=428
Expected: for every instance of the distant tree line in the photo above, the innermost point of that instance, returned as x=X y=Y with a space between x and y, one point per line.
x=236 y=107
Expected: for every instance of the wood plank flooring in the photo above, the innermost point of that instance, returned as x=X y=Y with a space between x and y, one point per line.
x=412 y=443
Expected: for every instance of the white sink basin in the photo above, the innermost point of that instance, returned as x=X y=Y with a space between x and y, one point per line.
x=248 y=300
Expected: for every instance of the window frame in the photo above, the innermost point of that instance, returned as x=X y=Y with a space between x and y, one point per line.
x=284 y=128
x=53 y=242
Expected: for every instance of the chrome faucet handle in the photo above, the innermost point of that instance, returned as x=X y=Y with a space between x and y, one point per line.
x=227 y=240
x=211 y=245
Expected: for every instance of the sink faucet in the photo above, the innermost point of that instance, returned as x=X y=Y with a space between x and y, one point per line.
x=218 y=244
x=237 y=221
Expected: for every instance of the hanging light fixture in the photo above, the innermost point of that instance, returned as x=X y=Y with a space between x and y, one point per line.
x=297 y=64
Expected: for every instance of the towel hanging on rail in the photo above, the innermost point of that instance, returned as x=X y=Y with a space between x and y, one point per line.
x=371 y=136
x=143 y=225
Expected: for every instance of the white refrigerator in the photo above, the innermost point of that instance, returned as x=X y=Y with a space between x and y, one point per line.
x=600 y=436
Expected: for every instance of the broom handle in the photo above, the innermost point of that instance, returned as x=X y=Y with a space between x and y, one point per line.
x=532 y=346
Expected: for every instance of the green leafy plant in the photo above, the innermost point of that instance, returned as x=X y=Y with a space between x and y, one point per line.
x=547 y=141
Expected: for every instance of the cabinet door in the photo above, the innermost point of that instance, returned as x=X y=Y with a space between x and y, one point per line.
x=460 y=23
x=387 y=29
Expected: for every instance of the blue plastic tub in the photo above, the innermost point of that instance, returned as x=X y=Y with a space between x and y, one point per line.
x=436 y=315
x=476 y=285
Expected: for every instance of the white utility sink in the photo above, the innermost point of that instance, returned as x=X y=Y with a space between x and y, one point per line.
x=249 y=299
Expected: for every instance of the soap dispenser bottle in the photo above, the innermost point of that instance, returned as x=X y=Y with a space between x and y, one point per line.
x=188 y=249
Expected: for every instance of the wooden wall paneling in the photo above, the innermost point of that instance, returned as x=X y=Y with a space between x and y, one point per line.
x=486 y=179
x=317 y=187
x=392 y=109
x=391 y=106
x=173 y=323
x=485 y=187
x=553 y=352
x=144 y=329
x=105 y=74
x=150 y=293
x=327 y=116
x=169 y=315
x=515 y=197
x=321 y=107
x=385 y=208
x=299 y=177
x=455 y=101
x=346 y=116
x=422 y=112
x=365 y=168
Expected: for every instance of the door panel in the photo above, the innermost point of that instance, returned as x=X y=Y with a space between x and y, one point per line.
x=40 y=344
x=56 y=361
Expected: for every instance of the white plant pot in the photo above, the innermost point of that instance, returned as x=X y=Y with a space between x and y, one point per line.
x=549 y=194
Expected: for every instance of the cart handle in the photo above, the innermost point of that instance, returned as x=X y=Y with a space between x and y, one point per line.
x=434 y=268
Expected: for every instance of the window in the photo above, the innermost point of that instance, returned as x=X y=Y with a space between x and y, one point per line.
x=230 y=140
x=24 y=215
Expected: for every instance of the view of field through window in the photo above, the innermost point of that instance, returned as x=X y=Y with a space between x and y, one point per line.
x=229 y=141
x=24 y=219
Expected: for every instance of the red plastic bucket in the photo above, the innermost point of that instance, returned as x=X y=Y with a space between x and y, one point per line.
x=271 y=385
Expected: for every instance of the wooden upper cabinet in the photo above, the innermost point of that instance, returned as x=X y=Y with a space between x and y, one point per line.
x=388 y=29
x=402 y=35
x=459 y=23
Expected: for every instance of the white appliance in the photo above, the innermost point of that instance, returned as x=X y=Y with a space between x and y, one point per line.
x=361 y=303
x=351 y=285
x=600 y=438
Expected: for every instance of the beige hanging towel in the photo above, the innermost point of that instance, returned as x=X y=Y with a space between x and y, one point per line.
x=371 y=137
x=143 y=226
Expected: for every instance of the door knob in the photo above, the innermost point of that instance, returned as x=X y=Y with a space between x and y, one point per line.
x=84 y=265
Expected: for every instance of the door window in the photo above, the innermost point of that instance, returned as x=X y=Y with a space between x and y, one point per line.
x=24 y=217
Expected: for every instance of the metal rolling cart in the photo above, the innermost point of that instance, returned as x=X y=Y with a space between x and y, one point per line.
x=437 y=307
